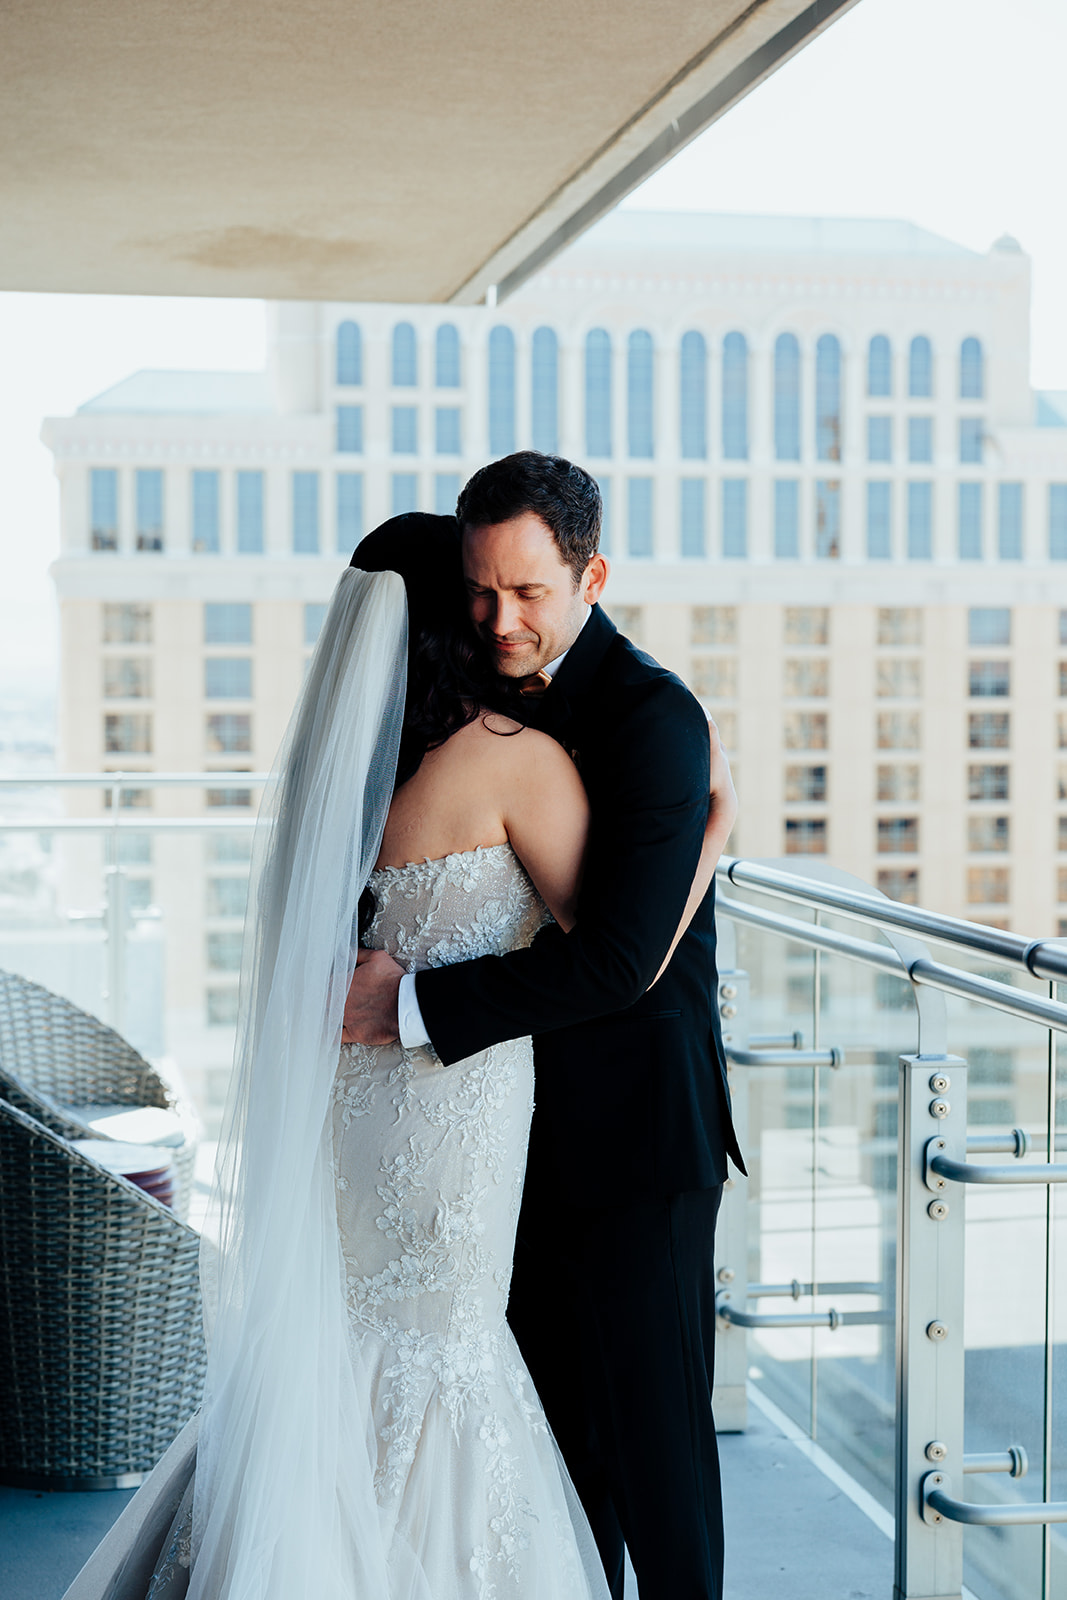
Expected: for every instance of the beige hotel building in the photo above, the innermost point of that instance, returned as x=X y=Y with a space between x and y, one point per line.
x=834 y=505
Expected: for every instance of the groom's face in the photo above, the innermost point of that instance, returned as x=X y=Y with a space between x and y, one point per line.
x=522 y=595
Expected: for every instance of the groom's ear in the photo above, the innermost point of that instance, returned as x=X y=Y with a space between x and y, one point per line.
x=594 y=578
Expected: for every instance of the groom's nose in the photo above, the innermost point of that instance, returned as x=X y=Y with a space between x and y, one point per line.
x=504 y=615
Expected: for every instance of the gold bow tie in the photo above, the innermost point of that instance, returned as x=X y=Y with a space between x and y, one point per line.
x=533 y=687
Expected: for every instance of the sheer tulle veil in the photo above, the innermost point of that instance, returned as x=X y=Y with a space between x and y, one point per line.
x=284 y=1502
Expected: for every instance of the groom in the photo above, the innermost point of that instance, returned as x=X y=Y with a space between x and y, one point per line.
x=613 y=1295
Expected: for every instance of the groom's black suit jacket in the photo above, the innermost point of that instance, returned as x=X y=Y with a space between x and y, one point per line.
x=631 y=1081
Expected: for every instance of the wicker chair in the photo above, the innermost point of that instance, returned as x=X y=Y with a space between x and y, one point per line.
x=55 y=1058
x=101 y=1339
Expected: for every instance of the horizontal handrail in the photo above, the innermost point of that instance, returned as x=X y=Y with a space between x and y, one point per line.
x=1016 y=1143
x=124 y=824
x=785 y=1058
x=777 y=1041
x=1014 y=1461
x=938 y=1502
x=127 y=780
x=940 y=1167
x=831 y=1319
x=797 y=1290
x=1042 y=958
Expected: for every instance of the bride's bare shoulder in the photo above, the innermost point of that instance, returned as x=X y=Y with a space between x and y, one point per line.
x=500 y=740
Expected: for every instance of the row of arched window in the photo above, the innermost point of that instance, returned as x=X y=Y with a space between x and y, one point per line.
x=640 y=385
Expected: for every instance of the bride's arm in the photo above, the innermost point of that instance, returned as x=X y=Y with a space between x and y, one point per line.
x=546 y=814
x=722 y=812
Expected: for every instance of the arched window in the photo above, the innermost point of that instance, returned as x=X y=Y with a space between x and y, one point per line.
x=349 y=354
x=639 y=394
x=787 y=397
x=544 y=391
x=693 y=397
x=920 y=368
x=879 y=367
x=828 y=398
x=405 y=357
x=501 y=391
x=735 y=397
x=598 y=392
x=446 y=356
x=972 y=385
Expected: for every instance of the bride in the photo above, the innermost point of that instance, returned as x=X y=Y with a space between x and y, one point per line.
x=369 y=1430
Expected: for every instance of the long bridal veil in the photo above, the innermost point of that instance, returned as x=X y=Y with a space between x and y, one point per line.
x=284 y=1503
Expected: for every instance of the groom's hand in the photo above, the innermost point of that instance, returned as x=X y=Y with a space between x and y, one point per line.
x=371 y=1007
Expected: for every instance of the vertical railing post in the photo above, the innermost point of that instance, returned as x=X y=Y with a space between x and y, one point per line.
x=929 y=1334
x=730 y=1398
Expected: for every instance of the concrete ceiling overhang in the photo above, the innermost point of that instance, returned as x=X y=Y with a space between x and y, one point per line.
x=343 y=150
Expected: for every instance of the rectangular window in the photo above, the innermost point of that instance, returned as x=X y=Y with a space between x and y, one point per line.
x=989 y=730
x=988 y=783
x=972 y=430
x=127 y=678
x=989 y=625
x=606 y=534
x=227 y=622
x=713 y=625
x=1010 y=521
x=250 y=513
x=805 y=785
x=807 y=679
x=314 y=617
x=735 y=518
x=898 y=783
x=123 y=623
x=227 y=678
x=987 y=834
x=1057 y=521
x=350 y=430
x=1062 y=679
x=229 y=846
x=807 y=625
x=900 y=625
x=639 y=516
x=630 y=620
x=149 y=496
x=807 y=730
x=897 y=836
x=445 y=493
x=128 y=733
x=221 y=1005
x=969 y=521
x=130 y=800
x=989 y=680
x=135 y=849
x=787 y=519
x=880 y=521
x=227 y=798
x=349 y=510
x=691 y=506
x=228 y=733
x=898 y=730
x=446 y=430
x=900 y=883
x=404 y=488
x=987 y=886
x=879 y=438
x=898 y=679
x=920 y=521
x=1061 y=885
x=1061 y=834
x=805 y=836
x=920 y=438
x=104 y=508
x=405 y=441
x=205 y=530
x=226 y=897
x=828 y=519
x=715 y=678
x=306 y=513
x=224 y=952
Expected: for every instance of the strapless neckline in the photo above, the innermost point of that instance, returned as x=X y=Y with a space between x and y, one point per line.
x=441 y=861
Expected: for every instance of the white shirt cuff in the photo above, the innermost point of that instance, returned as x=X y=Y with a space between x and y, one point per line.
x=412 y=1028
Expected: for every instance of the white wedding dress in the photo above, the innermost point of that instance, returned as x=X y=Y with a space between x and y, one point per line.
x=473 y=1500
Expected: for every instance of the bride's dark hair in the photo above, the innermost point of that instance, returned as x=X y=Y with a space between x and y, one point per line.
x=450 y=680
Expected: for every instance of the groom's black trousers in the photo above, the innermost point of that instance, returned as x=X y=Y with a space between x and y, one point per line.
x=614 y=1311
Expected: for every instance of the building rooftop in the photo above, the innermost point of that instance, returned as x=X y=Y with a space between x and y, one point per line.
x=186 y=393
x=735 y=232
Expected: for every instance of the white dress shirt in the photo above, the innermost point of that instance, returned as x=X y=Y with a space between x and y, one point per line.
x=409 y=1014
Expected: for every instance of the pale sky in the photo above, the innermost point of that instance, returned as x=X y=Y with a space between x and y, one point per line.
x=948 y=113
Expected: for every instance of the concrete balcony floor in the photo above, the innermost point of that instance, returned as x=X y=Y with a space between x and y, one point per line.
x=792 y=1531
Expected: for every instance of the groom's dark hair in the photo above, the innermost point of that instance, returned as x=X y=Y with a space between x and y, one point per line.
x=564 y=496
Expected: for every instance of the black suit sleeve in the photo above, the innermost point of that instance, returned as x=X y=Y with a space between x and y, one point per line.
x=648 y=774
